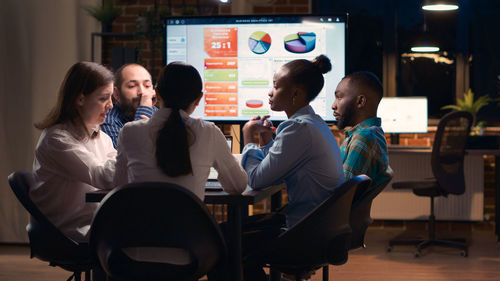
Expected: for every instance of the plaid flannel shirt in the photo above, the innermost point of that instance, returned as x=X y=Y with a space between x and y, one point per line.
x=364 y=151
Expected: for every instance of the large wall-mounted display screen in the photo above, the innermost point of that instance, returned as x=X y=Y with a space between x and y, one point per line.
x=238 y=55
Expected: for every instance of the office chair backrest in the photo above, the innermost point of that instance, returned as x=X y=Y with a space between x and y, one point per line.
x=47 y=242
x=160 y=219
x=360 y=211
x=448 y=151
x=322 y=236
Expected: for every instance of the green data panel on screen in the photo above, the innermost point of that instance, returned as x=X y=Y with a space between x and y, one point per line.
x=254 y=112
x=255 y=82
x=221 y=75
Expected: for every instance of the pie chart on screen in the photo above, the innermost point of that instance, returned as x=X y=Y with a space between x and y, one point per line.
x=254 y=103
x=300 y=42
x=259 y=42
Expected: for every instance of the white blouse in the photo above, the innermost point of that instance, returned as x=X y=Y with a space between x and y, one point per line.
x=136 y=160
x=66 y=167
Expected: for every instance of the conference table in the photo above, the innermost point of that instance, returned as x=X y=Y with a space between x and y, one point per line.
x=236 y=210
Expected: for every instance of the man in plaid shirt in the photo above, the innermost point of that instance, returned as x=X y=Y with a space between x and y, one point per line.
x=364 y=150
x=135 y=99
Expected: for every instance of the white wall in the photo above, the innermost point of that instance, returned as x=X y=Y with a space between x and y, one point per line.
x=39 y=41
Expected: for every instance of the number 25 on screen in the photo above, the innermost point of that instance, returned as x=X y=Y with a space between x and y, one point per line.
x=223 y=45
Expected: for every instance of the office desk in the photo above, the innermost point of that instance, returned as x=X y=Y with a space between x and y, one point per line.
x=496 y=153
x=410 y=164
x=235 y=210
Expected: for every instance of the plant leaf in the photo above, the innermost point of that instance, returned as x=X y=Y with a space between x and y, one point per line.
x=467 y=103
x=105 y=13
x=452 y=107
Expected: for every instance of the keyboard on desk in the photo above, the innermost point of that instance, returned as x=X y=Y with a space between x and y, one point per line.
x=213 y=186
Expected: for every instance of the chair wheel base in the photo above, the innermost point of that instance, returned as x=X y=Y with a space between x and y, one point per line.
x=459 y=244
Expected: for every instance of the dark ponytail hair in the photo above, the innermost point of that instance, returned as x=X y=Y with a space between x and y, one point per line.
x=309 y=74
x=179 y=85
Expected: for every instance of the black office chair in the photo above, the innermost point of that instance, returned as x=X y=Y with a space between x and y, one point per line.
x=322 y=237
x=48 y=243
x=360 y=217
x=360 y=213
x=447 y=162
x=156 y=231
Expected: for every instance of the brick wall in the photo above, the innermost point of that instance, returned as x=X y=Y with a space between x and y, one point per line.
x=149 y=46
x=152 y=58
x=277 y=7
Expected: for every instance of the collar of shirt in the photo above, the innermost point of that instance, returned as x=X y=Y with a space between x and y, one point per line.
x=162 y=114
x=306 y=110
x=374 y=121
x=95 y=130
x=79 y=132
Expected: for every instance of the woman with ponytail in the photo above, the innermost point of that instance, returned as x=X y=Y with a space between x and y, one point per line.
x=304 y=153
x=172 y=146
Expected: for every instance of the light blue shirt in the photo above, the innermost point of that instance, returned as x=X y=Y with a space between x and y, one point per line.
x=305 y=155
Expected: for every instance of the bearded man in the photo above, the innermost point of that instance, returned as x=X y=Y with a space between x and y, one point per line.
x=364 y=150
x=135 y=99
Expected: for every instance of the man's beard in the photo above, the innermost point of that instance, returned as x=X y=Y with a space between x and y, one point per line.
x=128 y=107
x=346 y=119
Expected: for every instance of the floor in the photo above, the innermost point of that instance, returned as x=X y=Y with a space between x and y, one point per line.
x=437 y=264
x=15 y=265
x=372 y=263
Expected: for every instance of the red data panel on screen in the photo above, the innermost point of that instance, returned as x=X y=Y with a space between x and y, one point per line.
x=221 y=87
x=221 y=110
x=221 y=42
x=221 y=63
x=221 y=99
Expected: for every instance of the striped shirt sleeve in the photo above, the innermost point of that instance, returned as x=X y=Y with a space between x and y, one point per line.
x=144 y=110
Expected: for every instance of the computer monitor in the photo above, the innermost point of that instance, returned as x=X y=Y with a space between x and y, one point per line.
x=403 y=114
x=238 y=55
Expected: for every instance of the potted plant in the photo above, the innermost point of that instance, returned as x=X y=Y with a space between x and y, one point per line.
x=105 y=13
x=476 y=139
x=467 y=103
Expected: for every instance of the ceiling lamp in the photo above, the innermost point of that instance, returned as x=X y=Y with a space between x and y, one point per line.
x=424 y=46
x=424 y=49
x=424 y=42
x=440 y=5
